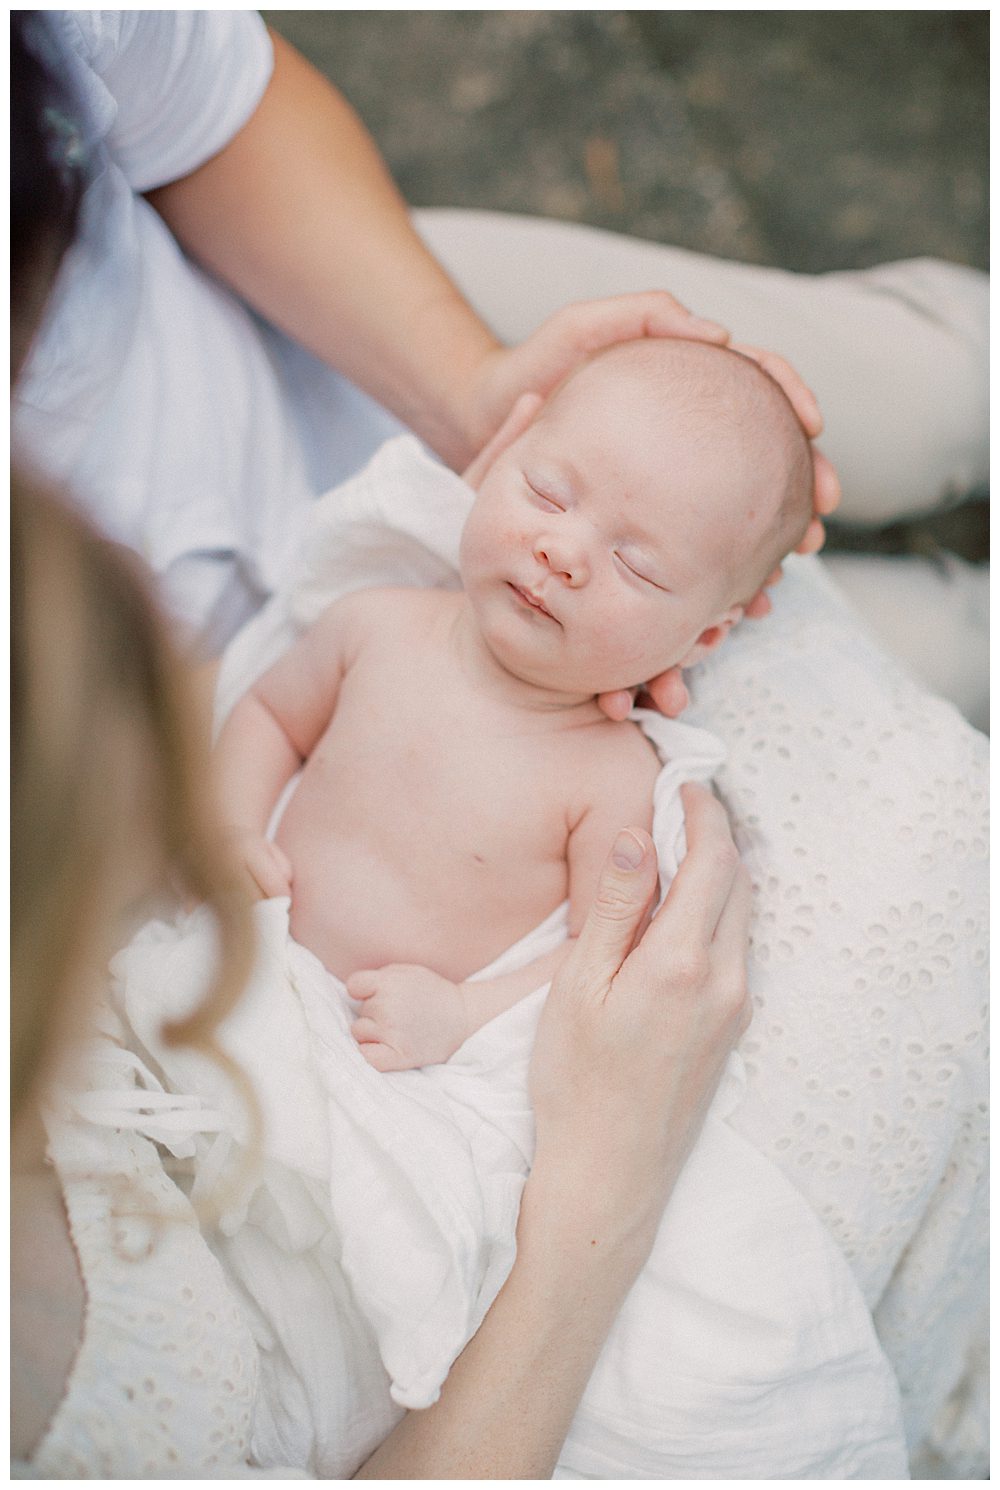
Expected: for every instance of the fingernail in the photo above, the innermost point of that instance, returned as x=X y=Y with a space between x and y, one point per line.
x=627 y=852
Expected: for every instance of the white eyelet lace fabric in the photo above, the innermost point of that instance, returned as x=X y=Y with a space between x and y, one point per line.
x=165 y=1378
x=859 y=804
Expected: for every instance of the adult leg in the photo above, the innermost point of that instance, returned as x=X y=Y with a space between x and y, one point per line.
x=931 y=613
x=896 y=355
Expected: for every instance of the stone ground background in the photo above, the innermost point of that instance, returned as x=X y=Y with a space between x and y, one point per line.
x=808 y=139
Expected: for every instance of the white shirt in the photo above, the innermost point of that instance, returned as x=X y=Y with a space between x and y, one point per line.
x=150 y=389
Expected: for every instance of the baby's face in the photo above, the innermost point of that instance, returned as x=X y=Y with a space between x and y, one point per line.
x=602 y=545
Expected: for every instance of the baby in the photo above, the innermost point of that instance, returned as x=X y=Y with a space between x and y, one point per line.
x=459 y=780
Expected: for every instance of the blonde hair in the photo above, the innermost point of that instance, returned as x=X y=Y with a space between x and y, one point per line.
x=105 y=774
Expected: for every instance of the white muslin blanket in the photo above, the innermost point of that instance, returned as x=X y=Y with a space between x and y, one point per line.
x=746 y=1347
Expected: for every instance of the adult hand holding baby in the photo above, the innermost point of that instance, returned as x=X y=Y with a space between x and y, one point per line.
x=631 y=1043
x=635 y=1033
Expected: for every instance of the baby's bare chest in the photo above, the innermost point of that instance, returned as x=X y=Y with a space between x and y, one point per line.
x=457 y=778
x=429 y=826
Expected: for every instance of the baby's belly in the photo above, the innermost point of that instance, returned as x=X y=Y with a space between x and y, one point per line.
x=362 y=901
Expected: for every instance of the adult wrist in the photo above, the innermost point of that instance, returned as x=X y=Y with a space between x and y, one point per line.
x=575 y=1226
x=448 y=412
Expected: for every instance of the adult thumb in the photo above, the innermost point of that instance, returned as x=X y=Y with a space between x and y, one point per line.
x=624 y=892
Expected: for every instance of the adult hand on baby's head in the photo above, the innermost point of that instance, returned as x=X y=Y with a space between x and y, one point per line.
x=574 y=333
x=667 y=692
x=512 y=384
x=635 y=1032
x=826 y=487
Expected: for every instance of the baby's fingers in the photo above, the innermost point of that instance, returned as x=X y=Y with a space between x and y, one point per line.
x=384 y=1058
x=376 y=1049
x=366 y=1031
x=362 y=985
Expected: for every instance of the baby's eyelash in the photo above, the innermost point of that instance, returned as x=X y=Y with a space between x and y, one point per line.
x=544 y=497
x=644 y=577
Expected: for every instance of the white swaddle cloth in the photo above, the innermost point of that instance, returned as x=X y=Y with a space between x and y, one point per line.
x=746 y=1348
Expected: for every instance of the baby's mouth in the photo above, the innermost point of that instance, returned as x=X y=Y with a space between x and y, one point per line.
x=526 y=598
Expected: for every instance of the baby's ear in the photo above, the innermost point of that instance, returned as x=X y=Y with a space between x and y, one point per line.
x=712 y=636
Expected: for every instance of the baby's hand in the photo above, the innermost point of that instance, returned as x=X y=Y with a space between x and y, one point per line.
x=268 y=866
x=409 y=1016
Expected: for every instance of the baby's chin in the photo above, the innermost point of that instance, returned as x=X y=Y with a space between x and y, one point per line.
x=591 y=687
x=560 y=685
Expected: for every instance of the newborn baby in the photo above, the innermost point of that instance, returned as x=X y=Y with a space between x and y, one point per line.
x=459 y=780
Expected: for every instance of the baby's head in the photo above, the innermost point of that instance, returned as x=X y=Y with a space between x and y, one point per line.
x=622 y=531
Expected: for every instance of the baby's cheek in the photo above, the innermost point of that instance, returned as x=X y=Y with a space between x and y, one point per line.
x=488 y=538
x=657 y=645
x=475 y=549
x=511 y=546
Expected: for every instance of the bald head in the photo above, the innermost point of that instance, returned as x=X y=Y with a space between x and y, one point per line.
x=726 y=414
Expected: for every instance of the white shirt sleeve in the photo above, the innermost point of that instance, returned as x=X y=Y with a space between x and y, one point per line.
x=184 y=82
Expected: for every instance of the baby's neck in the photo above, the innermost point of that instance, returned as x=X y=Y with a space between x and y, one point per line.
x=487 y=675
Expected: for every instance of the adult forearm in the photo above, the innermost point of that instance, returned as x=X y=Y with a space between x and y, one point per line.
x=509 y=1399
x=628 y=1051
x=300 y=215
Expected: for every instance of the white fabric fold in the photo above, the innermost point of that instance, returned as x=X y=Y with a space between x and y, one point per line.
x=745 y=1347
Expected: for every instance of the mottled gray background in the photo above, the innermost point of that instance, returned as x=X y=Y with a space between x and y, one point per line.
x=808 y=139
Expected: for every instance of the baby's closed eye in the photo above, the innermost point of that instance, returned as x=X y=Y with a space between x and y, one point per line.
x=542 y=498
x=637 y=568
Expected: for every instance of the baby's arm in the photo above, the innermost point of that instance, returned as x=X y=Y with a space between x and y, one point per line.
x=411 y=1016
x=272 y=730
x=621 y=796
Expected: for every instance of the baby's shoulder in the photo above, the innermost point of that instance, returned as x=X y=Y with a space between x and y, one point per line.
x=385 y=608
x=622 y=743
x=617 y=779
x=619 y=757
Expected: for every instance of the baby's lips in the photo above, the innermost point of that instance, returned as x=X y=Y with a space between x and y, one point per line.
x=530 y=597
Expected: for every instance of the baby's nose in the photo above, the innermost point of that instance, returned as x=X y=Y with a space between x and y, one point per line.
x=563 y=557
